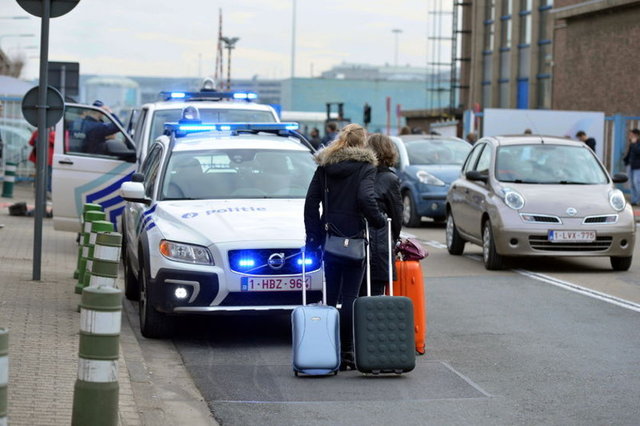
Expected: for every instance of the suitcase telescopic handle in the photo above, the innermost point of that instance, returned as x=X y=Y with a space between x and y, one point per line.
x=304 y=281
x=366 y=228
x=390 y=257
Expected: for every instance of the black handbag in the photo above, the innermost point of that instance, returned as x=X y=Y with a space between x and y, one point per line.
x=338 y=244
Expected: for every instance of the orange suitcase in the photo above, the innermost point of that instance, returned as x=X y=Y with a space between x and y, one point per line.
x=411 y=284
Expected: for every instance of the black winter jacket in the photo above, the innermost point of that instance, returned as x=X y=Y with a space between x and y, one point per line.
x=632 y=158
x=387 y=187
x=350 y=174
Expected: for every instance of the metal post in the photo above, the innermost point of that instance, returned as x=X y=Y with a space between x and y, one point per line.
x=42 y=145
x=106 y=259
x=293 y=42
x=96 y=391
x=229 y=67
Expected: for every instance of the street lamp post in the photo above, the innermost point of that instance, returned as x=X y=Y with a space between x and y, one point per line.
x=229 y=44
x=396 y=31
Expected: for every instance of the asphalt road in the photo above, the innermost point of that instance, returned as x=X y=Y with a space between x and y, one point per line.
x=519 y=346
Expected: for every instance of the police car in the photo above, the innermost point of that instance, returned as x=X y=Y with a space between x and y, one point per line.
x=214 y=222
x=81 y=177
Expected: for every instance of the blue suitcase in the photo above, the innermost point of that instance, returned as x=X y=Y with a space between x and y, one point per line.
x=315 y=335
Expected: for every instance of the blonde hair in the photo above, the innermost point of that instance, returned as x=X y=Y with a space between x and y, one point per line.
x=352 y=135
x=383 y=147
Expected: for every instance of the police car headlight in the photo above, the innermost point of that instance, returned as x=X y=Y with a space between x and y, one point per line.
x=617 y=200
x=186 y=252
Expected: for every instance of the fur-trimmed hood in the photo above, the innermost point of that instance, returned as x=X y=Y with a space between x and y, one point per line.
x=325 y=157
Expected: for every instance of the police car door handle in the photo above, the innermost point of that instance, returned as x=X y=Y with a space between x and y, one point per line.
x=65 y=162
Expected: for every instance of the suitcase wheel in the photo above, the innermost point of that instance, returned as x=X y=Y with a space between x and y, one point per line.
x=420 y=351
x=296 y=373
x=335 y=373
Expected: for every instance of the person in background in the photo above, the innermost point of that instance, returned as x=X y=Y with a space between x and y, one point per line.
x=96 y=131
x=404 y=130
x=1 y=143
x=32 y=156
x=528 y=132
x=387 y=187
x=331 y=132
x=314 y=138
x=417 y=131
x=472 y=138
x=347 y=170
x=632 y=159
x=591 y=142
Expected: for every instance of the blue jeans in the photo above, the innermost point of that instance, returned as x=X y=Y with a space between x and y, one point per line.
x=635 y=186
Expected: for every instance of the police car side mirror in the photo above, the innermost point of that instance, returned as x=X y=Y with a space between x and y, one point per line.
x=134 y=192
x=477 y=176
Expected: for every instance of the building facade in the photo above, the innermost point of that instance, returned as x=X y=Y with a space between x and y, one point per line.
x=596 y=56
x=510 y=51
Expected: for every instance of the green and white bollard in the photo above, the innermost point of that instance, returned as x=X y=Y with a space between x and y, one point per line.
x=86 y=262
x=106 y=259
x=9 y=179
x=87 y=207
x=4 y=375
x=95 y=394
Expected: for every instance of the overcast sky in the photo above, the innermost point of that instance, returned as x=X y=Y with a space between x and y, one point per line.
x=178 y=38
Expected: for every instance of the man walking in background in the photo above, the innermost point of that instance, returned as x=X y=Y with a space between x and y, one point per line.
x=591 y=142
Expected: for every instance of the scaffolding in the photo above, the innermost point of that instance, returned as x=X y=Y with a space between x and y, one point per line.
x=445 y=56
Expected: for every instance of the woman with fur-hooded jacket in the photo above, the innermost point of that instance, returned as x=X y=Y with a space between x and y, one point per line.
x=348 y=169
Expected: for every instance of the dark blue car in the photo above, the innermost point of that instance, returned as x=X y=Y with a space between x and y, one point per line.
x=426 y=167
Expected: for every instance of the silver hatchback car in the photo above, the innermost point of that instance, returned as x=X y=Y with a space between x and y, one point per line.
x=538 y=196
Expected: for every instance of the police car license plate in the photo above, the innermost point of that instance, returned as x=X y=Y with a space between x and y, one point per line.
x=572 y=236
x=273 y=283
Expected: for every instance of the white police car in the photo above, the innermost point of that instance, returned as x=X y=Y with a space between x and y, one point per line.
x=214 y=222
x=81 y=177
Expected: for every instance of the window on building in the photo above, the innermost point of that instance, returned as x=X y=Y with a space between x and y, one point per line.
x=486 y=66
x=544 y=57
x=505 y=32
x=525 y=27
x=506 y=7
x=524 y=61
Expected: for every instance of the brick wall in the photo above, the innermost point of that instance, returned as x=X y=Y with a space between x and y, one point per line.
x=597 y=61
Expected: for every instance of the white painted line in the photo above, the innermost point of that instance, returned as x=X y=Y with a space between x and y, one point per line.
x=555 y=281
x=581 y=290
x=466 y=379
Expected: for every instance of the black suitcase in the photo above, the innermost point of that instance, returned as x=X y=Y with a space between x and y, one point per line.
x=383 y=329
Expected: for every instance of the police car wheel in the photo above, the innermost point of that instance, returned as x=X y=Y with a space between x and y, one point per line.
x=153 y=324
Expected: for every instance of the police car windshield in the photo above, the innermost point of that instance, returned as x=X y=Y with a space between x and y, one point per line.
x=217 y=115
x=548 y=164
x=237 y=174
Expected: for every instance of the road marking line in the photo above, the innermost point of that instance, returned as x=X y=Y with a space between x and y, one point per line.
x=553 y=281
x=580 y=290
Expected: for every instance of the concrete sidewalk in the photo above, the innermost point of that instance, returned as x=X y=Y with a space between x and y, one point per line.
x=43 y=324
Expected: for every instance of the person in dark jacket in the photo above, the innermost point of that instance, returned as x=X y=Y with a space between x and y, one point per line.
x=96 y=130
x=590 y=142
x=387 y=187
x=347 y=169
x=632 y=159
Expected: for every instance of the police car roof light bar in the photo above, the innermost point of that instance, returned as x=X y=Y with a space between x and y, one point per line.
x=207 y=95
x=183 y=128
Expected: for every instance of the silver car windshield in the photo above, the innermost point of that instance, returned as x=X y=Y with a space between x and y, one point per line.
x=437 y=151
x=548 y=164
x=218 y=115
x=237 y=174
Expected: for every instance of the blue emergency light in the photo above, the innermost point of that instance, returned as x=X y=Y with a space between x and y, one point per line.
x=183 y=128
x=208 y=95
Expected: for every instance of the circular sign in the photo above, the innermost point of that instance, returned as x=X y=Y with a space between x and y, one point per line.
x=57 y=7
x=55 y=106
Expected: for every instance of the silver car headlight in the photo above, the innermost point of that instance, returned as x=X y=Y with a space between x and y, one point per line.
x=187 y=253
x=512 y=198
x=617 y=200
x=429 y=179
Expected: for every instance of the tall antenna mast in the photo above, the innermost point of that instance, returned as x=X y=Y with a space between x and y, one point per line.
x=218 y=75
